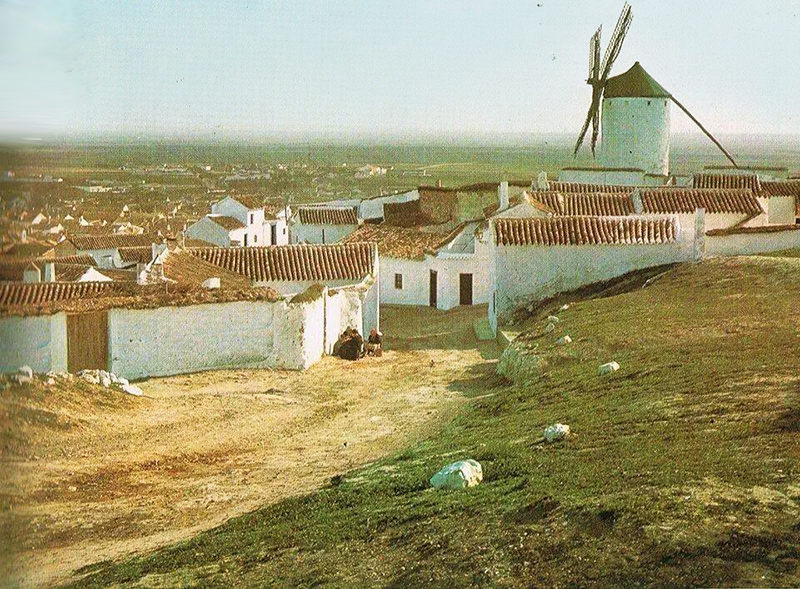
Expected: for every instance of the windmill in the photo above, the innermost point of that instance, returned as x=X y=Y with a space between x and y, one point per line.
x=598 y=72
x=635 y=109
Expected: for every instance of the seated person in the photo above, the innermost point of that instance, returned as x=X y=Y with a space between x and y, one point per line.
x=351 y=347
x=373 y=345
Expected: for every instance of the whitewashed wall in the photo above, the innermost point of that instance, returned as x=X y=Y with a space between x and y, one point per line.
x=209 y=231
x=601 y=176
x=781 y=210
x=635 y=134
x=307 y=233
x=751 y=243
x=525 y=273
x=373 y=207
x=104 y=258
x=36 y=341
x=415 y=281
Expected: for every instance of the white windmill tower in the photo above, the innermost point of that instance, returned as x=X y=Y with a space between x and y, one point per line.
x=635 y=115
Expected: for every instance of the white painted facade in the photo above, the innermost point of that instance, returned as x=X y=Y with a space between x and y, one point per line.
x=739 y=244
x=104 y=258
x=519 y=274
x=313 y=233
x=372 y=208
x=635 y=134
x=253 y=220
x=603 y=176
x=781 y=210
x=408 y=282
x=207 y=230
x=36 y=341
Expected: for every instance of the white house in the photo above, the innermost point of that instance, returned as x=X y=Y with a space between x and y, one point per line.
x=291 y=269
x=535 y=258
x=322 y=224
x=441 y=270
x=102 y=248
x=240 y=220
x=220 y=230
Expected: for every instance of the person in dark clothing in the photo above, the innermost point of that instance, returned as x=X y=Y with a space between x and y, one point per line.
x=352 y=345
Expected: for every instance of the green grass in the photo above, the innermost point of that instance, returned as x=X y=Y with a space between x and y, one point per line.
x=793 y=253
x=682 y=470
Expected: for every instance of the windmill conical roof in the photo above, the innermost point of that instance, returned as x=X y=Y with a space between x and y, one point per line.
x=635 y=83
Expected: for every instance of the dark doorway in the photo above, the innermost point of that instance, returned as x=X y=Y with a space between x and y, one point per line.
x=433 y=288
x=465 y=289
x=273 y=234
x=87 y=341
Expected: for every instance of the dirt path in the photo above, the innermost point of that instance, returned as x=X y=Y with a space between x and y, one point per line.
x=95 y=480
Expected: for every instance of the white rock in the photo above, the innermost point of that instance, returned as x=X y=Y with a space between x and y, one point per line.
x=89 y=377
x=564 y=307
x=563 y=341
x=121 y=382
x=51 y=381
x=132 y=389
x=458 y=475
x=552 y=319
x=25 y=370
x=555 y=432
x=105 y=381
x=22 y=378
x=608 y=368
x=550 y=327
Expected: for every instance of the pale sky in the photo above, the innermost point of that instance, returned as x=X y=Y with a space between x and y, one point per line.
x=262 y=68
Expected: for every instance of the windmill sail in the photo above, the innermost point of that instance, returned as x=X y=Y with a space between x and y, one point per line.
x=599 y=72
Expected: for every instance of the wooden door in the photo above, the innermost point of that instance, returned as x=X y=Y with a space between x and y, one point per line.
x=433 y=286
x=87 y=341
x=465 y=289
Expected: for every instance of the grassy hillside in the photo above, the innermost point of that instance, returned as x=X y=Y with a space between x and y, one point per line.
x=684 y=467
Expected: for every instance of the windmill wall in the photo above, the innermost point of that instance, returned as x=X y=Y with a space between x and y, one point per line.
x=635 y=134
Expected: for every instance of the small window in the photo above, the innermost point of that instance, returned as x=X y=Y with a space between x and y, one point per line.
x=398 y=281
x=255 y=239
x=252 y=218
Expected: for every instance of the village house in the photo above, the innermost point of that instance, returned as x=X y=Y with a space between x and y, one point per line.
x=102 y=248
x=241 y=221
x=193 y=315
x=322 y=224
x=535 y=258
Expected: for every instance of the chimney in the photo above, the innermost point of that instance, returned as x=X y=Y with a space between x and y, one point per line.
x=502 y=195
x=638 y=204
x=541 y=181
x=49 y=272
x=211 y=283
x=32 y=274
x=699 y=234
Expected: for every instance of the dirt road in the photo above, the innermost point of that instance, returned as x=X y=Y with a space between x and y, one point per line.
x=93 y=475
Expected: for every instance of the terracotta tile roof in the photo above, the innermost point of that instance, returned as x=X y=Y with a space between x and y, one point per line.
x=38 y=293
x=759 y=229
x=592 y=204
x=43 y=298
x=400 y=242
x=251 y=201
x=741 y=181
x=227 y=223
x=340 y=261
x=584 y=231
x=135 y=255
x=580 y=187
x=116 y=274
x=327 y=216
x=185 y=268
x=785 y=188
x=70 y=272
x=687 y=200
x=26 y=250
x=110 y=241
x=13 y=269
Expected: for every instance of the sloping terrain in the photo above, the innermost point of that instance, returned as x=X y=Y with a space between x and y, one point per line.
x=90 y=474
x=683 y=467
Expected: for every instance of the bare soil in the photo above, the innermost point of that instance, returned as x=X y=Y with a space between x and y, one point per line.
x=91 y=475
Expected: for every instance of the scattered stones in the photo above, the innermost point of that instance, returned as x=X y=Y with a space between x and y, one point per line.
x=26 y=371
x=564 y=307
x=608 y=368
x=555 y=432
x=563 y=341
x=110 y=380
x=550 y=327
x=458 y=475
x=552 y=319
